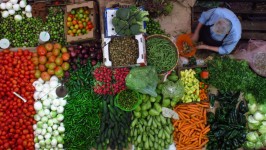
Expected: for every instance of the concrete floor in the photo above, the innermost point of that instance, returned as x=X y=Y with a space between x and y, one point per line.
x=179 y=21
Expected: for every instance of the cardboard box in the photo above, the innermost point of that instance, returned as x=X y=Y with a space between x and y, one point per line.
x=94 y=14
x=141 y=61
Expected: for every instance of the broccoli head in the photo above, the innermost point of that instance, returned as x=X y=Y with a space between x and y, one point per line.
x=115 y=21
x=123 y=13
x=137 y=29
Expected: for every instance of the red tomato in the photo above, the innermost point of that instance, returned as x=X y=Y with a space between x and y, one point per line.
x=204 y=74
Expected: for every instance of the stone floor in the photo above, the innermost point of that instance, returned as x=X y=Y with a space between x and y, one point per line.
x=179 y=21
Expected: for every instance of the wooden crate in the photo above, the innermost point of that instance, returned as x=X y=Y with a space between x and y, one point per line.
x=252 y=17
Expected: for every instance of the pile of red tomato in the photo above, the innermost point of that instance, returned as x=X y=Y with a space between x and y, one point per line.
x=16 y=116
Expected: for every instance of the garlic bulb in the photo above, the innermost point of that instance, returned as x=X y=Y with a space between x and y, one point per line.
x=11 y=11
x=16 y=7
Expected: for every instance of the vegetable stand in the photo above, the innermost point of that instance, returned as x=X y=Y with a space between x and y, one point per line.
x=127 y=90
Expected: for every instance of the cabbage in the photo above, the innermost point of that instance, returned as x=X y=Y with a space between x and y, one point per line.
x=262 y=108
x=252 y=137
x=252 y=120
x=258 y=145
x=254 y=126
x=258 y=116
x=173 y=90
x=252 y=108
x=249 y=145
x=262 y=129
x=263 y=139
x=250 y=98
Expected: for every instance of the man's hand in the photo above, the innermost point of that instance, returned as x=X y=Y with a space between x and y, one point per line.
x=195 y=37
x=208 y=47
x=202 y=46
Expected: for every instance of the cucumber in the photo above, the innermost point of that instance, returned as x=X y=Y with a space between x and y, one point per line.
x=146 y=145
x=150 y=122
x=139 y=139
x=157 y=107
x=160 y=134
x=144 y=137
x=163 y=120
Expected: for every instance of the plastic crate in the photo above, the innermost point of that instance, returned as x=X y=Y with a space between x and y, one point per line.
x=109 y=14
x=141 y=61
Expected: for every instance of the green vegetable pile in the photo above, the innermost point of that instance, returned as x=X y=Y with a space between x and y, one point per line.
x=55 y=24
x=151 y=131
x=154 y=27
x=233 y=75
x=82 y=112
x=228 y=125
x=25 y=33
x=127 y=100
x=256 y=138
x=21 y=33
x=129 y=21
x=161 y=53
x=230 y=75
x=115 y=126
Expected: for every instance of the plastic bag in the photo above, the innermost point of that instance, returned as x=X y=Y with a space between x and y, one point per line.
x=173 y=90
x=143 y=80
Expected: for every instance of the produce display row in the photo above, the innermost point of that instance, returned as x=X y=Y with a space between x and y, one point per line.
x=61 y=96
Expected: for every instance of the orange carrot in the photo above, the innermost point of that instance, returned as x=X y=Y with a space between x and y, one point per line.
x=191 y=130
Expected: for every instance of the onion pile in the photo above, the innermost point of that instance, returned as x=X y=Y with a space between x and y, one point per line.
x=80 y=54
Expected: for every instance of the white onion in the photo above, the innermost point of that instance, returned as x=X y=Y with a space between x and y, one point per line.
x=40 y=137
x=41 y=80
x=14 y=1
x=5 y=14
x=36 y=95
x=11 y=11
x=22 y=4
x=16 y=7
x=3 y=6
x=49 y=129
x=18 y=17
x=53 y=78
x=53 y=108
x=28 y=8
x=35 y=126
x=53 y=83
x=60 y=109
x=8 y=5
x=37 y=106
x=29 y=15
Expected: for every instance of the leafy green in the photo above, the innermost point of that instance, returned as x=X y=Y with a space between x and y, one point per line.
x=230 y=75
x=143 y=80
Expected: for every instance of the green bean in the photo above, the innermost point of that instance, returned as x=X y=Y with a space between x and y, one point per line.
x=161 y=54
x=82 y=119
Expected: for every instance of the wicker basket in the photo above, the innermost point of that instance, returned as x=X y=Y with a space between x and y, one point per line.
x=173 y=44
